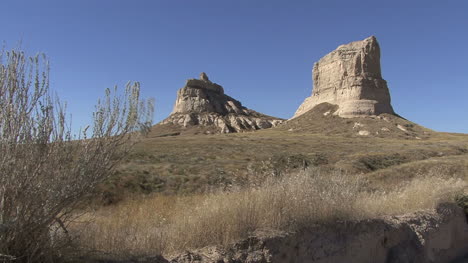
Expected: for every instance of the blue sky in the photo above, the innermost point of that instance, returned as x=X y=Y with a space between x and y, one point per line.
x=260 y=51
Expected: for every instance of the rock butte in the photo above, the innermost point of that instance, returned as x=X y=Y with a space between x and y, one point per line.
x=350 y=77
x=203 y=103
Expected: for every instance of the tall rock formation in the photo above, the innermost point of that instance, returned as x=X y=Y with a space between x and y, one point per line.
x=350 y=77
x=203 y=103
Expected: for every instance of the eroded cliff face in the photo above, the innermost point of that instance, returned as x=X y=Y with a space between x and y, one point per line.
x=351 y=78
x=203 y=103
x=439 y=236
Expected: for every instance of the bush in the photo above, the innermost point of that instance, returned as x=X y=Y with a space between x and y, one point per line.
x=381 y=161
x=45 y=171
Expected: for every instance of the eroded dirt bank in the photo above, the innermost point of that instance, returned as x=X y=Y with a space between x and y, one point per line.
x=431 y=236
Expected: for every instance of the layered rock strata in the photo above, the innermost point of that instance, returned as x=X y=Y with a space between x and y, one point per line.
x=351 y=78
x=203 y=103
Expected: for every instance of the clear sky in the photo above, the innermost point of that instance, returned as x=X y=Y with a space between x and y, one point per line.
x=260 y=51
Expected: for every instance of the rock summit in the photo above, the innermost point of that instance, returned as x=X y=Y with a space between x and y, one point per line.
x=203 y=103
x=351 y=78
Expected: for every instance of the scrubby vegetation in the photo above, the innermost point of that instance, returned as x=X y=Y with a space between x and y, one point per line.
x=167 y=224
x=45 y=172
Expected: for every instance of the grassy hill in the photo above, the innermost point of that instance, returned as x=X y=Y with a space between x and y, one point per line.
x=175 y=161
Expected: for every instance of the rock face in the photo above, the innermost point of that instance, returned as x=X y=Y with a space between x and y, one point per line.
x=350 y=77
x=425 y=237
x=203 y=103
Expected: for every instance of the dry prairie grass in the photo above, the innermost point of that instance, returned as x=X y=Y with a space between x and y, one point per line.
x=170 y=224
x=194 y=164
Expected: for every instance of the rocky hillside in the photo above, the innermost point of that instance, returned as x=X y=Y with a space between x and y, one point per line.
x=323 y=119
x=203 y=107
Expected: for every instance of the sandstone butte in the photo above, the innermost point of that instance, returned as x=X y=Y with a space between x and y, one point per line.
x=351 y=78
x=203 y=103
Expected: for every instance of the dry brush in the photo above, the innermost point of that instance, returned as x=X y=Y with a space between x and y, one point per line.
x=45 y=171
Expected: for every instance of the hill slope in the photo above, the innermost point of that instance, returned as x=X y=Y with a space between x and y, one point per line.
x=322 y=119
x=195 y=163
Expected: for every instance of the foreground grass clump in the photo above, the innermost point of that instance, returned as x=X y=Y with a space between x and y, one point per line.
x=171 y=224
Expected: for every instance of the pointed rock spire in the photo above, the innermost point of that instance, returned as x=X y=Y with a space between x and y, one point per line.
x=204 y=77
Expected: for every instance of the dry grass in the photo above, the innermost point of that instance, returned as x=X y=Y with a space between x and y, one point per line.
x=131 y=228
x=170 y=224
x=449 y=166
x=194 y=164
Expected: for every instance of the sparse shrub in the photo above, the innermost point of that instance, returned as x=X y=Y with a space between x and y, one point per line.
x=380 y=161
x=319 y=159
x=275 y=166
x=282 y=163
x=462 y=201
x=45 y=171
